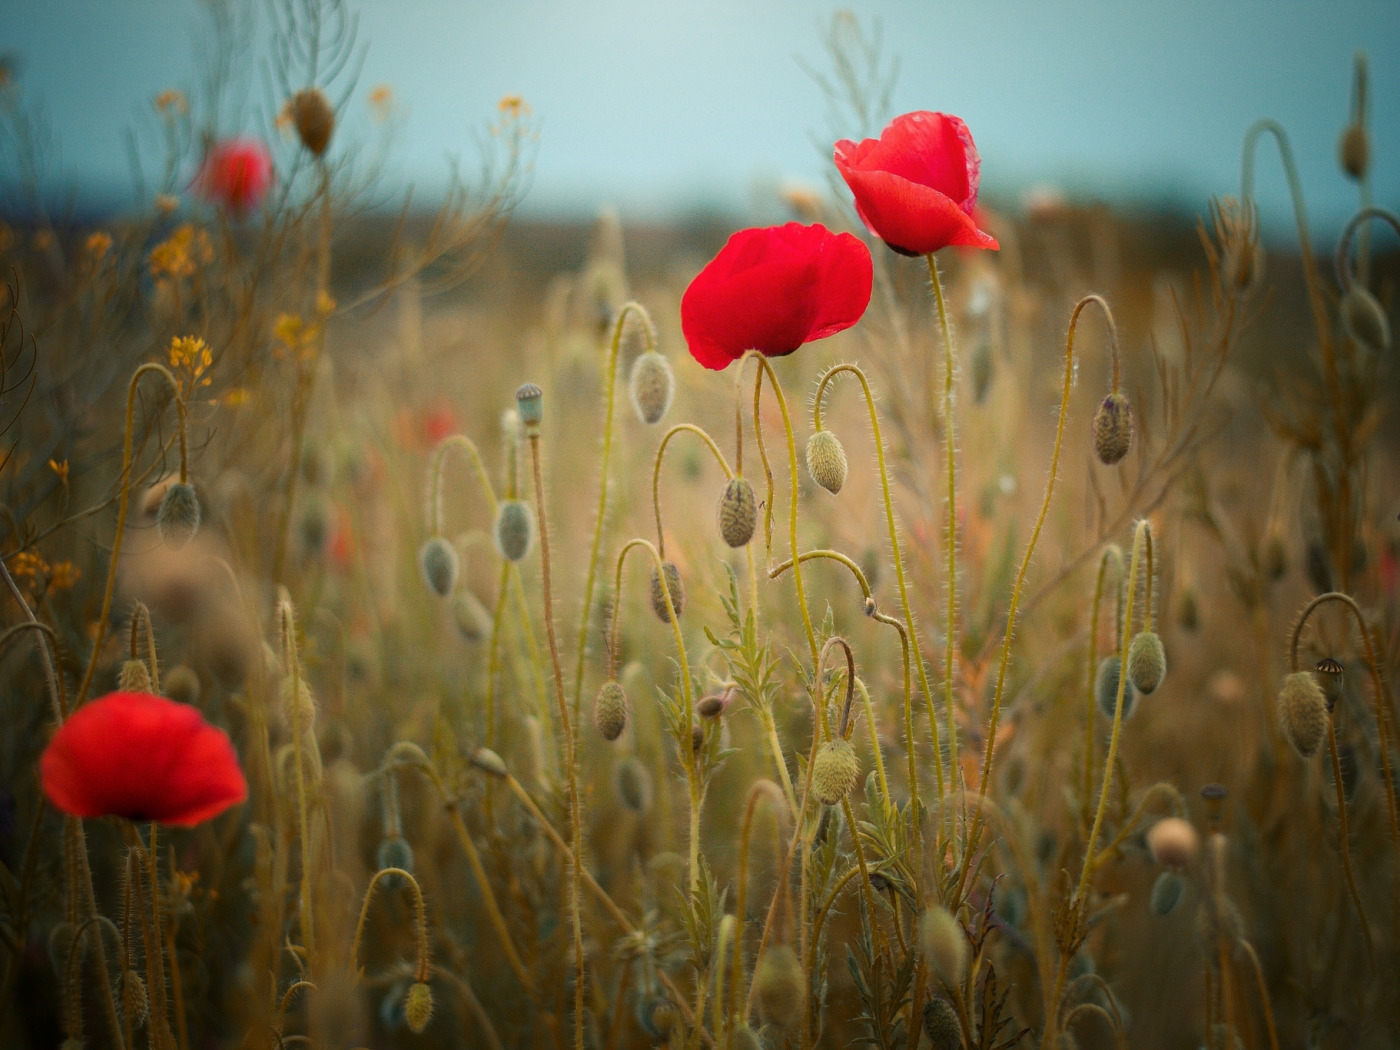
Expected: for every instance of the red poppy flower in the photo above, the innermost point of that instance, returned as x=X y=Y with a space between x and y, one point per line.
x=236 y=174
x=916 y=185
x=141 y=757
x=773 y=289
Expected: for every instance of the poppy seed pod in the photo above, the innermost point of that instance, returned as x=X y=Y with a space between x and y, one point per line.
x=1354 y=151
x=634 y=785
x=944 y=944
x=673 y=586
x=182 y=685
x=610 y=710
x=738 y=512
x=438 y=562
x=418 y=1007
x=529 y=399
x=941 y=1024
x=1329 y=674
x=1147 y=662
x=1106 y=689
x=1166 y=893
x=779 y=987
x=834 y=771
x=313 y=118
x=1173 y=843
x=135 y=677
x=826 y=461
x=178 y=516
x=470 y=616
x=1113 y=429
x=1302 y=710
x=652 y=385
x=515 y=530
x=1365 y=320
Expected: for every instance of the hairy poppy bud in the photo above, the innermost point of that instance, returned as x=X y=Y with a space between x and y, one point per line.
x=1106 y=688
x=515 y=529
x=302 y=709
x=944 y=944
x=1364 y=319
x=657 y=1015
x=529 y=399
x=135 y=677
x=610 y=710
x=826 y=460
x=738 y=512
x=394 y=852
x=634 y=785
x=418 y=1007
x=1173 y=843
x=486 y=760
x=651 y=384
x=181 y=685
x=673 y=586
x=1113 y=429
x=1147 y=662
x=834 y=771
x=941 y=1024
x=1354 y=151
x=313 y=118
x=1166 y=892
x=471 y=617
x=1303 y=712
x=135 y=1003
x=178 y=516
x=779 y=987
x=437 y=561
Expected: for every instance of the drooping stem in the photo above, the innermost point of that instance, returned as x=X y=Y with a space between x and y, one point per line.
x=1111 y=555
x=433 y=511
x=1342 y=262
x=421 y=965
x=656 y=473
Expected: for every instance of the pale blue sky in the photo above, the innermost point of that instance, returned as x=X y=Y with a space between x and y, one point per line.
x=661 y=105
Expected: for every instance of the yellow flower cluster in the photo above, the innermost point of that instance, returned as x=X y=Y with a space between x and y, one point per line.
x=31 y=566
x=191 y=357
x=300 y=338
x=181 y=254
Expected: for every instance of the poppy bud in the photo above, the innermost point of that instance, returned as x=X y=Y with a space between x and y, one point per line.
x=1106 y=688
x=941 y=1024
x=178 y=516
x=1354 y=151
x=471 y=616
x=834 y=771
x=1166 y=893
x=1329 y=674
x=313 y=118
x=944 y=944
x=1173 y=843
x=657 y=1016
x=634 y=785
x=486 y=760
x=418 y=1007
x=1364 y=319
x=515 y=530
x=135 y=677
x=1113 y=429
x=529 y=399
x=711 y=706
x=826 y=460
x=182 y=685
x=697 y=738
x=1303 y=712
x=610 y=710
x=779 y=987
x=1147 y=662
x=303 y=712
x=437 y=561
x=738 y=512
x=135 y=1003
x=651 y=385
x=673 y=586
x=745 y=1038
x=394 y=852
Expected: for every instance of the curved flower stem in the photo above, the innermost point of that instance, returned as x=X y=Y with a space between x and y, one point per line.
x=627 y=309
x=1263 y=992
x=421 y=967
x=894 y=544
x=1111 y=555
x=433 y=511
x=1345 y=845
x=687 y=753
x=656 y=473
x=950 y=454
x=985 y=778
x=47 y=632
x=1342 y=261
x=760 y=790
x=123 y=504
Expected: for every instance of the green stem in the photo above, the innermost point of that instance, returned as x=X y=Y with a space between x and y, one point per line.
x=656 y=473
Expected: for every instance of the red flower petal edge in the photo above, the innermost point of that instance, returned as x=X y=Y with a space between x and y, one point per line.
x=915 y=186
x=236 y=174
x=142 y=757
x=774 y=288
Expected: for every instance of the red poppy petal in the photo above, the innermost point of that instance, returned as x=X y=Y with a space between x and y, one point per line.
x=930 y=149
x=909 y=217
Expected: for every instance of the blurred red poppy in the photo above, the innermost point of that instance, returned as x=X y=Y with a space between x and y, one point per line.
x=236 y=174
x=774 y=288
x=142 y=757
x=916 y=185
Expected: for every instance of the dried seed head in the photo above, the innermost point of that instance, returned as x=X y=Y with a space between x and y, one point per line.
x=738 y=512
x=1173 y=843
x=1365 y=320
x=779 y=986
x=515 y=529
x=941 y=1024
x=673 y=586
x=711 y=706
x=486 y=760
x=1273 y=557
x=182 y=685
x=1329 y=674
x=529 y=400
x=471 y=617
x=313 y=118
x=135 y=1003
x=1166 y=893
x=438 y=562
x=610 y=710
x=394 y=852
x=944 y=944
x=634 y=784
x=1354 y=151
x=826 y=460
x=135 y=677
x=1237 y=233
x=418 y=1007
x=1147 y=662
x=1106 y=689
x=652 y=385
x=834 y=771
x=1302 y=708
x=178 y=516
x=1113 y=429
x=303 y=711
